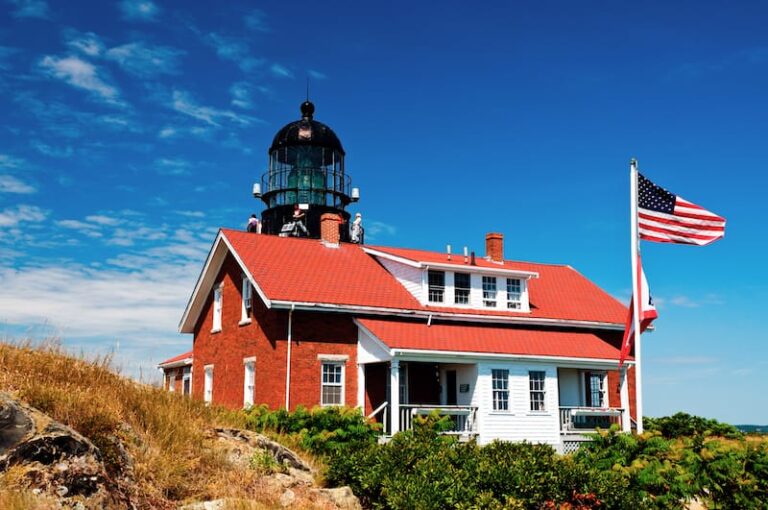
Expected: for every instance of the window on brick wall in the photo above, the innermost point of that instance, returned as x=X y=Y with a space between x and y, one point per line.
x=208 y=384
x=186 y=381
x=461 y=288
x=217 y=304
x=249 y=381
x=332 y=383
x=247 y=292
x=436 y=281
x=536 y=380
x=170 y=377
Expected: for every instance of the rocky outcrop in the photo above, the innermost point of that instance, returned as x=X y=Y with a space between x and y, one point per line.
x=49 y=457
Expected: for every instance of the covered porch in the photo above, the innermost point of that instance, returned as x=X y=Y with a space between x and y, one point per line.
x=423 y=388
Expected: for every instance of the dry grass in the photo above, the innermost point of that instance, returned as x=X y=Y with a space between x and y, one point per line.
x=174 y=459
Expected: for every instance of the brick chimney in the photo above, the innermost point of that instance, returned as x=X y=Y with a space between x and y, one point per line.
x=494 y=246
x=330 y=226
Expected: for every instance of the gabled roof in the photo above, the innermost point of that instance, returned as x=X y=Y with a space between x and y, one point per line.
x=177 y=361
x=489 y=339
x=306 y=273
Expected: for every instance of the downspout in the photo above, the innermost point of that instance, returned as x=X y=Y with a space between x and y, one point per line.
x=288 y=360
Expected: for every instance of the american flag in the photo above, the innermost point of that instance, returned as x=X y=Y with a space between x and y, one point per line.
x=647 y=312
x=664 y=217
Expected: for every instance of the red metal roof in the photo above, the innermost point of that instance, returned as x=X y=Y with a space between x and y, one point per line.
x=491 y=339
x=180 y=357
x=305 y=270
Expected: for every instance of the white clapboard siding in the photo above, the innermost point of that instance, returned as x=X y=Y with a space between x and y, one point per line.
x=409 y=277
x=519 y=423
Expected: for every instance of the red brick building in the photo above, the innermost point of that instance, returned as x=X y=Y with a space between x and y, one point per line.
x=304 y=313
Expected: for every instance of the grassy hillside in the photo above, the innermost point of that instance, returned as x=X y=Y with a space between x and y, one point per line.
x=175 y=458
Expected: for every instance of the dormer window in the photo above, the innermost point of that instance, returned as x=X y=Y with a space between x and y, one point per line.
x=514 y=293
x=436 y=282
x=489 y=291
x=461 y=288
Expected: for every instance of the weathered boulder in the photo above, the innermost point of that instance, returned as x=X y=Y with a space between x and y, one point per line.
x=282 y=455
x=340 y=497
x=54 y=458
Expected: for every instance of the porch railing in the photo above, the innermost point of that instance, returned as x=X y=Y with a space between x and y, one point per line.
x=585 y=419
x=463 y=417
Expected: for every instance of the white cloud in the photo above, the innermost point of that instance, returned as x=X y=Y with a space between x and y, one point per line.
x=16 y=215
x=7 y=161
x=87 y=43
x=30 y=9
x=256 y=21
x=234 y=50
x=54 y=152
x=191 y=214
x=378 y=228
x=139 y=10
x=170 y=166
x=183 y=103
x=317 y=75
x=281 y=71
x=144 y=60
x=102 y=219
x=10 y=184
x=241 y=95
x=80 y=74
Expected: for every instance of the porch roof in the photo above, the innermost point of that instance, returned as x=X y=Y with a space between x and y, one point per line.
x=418 y=336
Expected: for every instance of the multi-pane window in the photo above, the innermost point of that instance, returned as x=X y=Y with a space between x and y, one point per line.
x=595 y=386
x=249 y=382
x=170 y=377
x=208 y=384
x=536 y=380
x=246 y=291
x=217 y=298
x=332 y=387
x=461 y=288
x=489 y=291
x=436 y=282
x=500 y=385
x=186 y=381
x=514 y=292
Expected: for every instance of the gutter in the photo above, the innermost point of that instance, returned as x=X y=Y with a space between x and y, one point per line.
x=288 y=361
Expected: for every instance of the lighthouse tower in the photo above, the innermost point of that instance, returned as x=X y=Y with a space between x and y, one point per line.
x=306 y=177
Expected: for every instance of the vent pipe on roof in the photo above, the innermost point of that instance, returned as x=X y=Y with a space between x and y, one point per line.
x=472 y=259
x=448 y=249
x=465 y=254
x=494 y=246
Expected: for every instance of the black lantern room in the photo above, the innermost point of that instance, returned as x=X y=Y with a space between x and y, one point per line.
x=306 y=176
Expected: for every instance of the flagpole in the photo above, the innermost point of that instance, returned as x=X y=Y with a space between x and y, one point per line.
x=636 y=292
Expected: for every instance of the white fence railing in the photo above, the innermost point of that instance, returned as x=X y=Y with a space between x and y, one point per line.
x=463 y=417
x=584 y=419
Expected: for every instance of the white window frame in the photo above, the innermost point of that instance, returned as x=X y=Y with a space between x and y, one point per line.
x=468 y=289
x=186 y=377
x=170 y=377
x=341 y=383
x=488 y=301
x=503 y=377
x=537 y=390
x=603 y=388
x=249 y=381
x=437 y=289
x=514 y=297
x=218 y=305
x=208 y=384
x=247 y=301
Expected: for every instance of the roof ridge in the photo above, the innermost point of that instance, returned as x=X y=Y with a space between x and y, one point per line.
x=381 y=247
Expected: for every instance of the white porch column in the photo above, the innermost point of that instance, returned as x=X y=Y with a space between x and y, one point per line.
x=394 y=394
x=626 y=420
x=361 y=387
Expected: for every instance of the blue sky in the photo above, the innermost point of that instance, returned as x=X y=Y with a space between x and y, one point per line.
x=131 y=130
